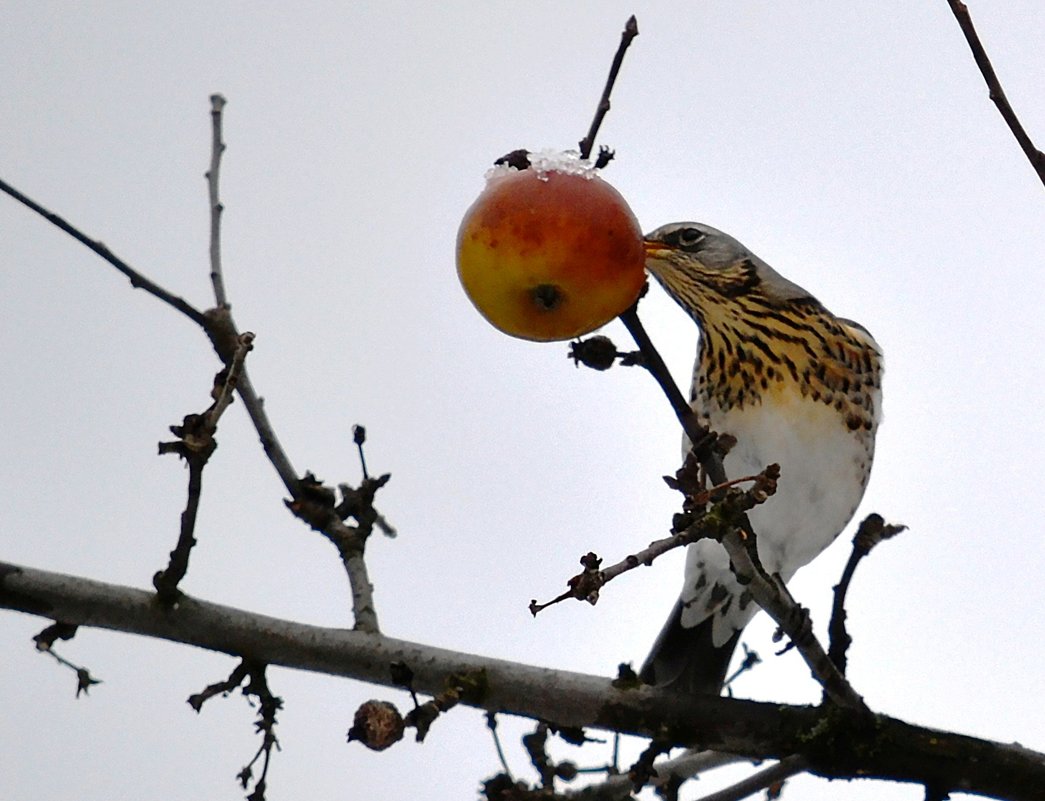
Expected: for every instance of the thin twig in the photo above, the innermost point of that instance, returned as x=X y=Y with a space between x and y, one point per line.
x=631 y=30
x=751 y=659
x=45 y=643
x=217 y=105
x=232 y=376
x=698 y=434
x=997 y=94
x=872 y=530
x=235 y=679
x=255 y=407
x=196 y=444
x=784 y=769
x=491 y=724
x=773 y=597
x=701 y=438
x=728 y=510
x=217 y=323
x=138 y=281
x=687 y=765
x=268 y=706
x=166 y=581
x=222 y=331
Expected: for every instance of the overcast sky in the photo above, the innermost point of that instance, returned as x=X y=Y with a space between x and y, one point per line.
x=851 y=145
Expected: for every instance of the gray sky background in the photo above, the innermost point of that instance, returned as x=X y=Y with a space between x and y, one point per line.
x=851 y=145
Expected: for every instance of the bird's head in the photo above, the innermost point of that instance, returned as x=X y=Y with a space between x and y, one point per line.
x=701 y=267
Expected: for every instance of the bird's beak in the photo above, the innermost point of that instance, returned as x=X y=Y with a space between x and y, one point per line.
x=653 y=248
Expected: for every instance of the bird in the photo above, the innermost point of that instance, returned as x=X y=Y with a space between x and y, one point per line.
x=794 y=385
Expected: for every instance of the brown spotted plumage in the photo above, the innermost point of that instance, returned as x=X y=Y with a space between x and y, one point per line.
x=794 y=385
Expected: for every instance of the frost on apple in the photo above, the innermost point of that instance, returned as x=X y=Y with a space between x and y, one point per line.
x=543 y=162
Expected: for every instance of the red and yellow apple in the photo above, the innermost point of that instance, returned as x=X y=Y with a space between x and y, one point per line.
x=550 y=252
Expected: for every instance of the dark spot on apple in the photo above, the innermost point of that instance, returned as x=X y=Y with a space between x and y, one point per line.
x=547 y=297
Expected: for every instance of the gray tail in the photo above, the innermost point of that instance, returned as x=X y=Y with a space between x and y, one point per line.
x=686 y=660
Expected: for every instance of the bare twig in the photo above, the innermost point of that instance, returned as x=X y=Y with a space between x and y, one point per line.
x=727 y=511
x=872 y=530
x=784 y=769
x=235 y=679
x=314 y=503
x=217 y=105
x=631 y=30
x=225 y=337
x=687 y=765
x=196 y=444
x=699 y=435
x=216 y=322
x=359 y=503
x=138 y=281
x=45 y=643
x=270 y=443
x=491 y=724
x=363 y=610
x=232 y=375
x=268 y=706
x=997 y=94
x=222 y=330
x=166 y=581
x=751 y=659
x=773 y=597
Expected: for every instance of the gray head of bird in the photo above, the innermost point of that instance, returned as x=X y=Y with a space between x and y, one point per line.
x=699 y=265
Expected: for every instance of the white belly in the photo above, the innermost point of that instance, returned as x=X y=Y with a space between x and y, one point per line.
x=823 y=472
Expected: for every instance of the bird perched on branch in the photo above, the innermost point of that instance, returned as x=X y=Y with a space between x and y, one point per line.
x=794 y=385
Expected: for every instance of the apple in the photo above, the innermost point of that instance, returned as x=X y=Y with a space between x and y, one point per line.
x=551 y=251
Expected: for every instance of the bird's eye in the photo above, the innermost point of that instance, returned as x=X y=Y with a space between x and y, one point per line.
x=689 y=238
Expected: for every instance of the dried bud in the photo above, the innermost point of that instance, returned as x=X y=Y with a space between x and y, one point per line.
x=596 y=352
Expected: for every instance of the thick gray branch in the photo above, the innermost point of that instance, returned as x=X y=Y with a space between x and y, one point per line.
x=837 y=743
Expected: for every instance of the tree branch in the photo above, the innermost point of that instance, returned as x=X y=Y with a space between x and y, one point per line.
x=872 y=531
x=196 y=444
x=837 y=742
x=350 y=542
x=138 y=281
x=773 y=597
x=217 y=104
x=631 y=30
x=997 y=94
x=685 y=766
x=225 y=338
x=784 y=769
